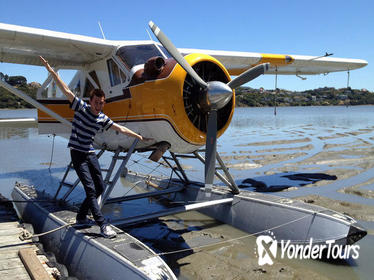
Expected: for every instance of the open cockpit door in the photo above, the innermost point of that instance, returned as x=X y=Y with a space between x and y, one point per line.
x=118 y=76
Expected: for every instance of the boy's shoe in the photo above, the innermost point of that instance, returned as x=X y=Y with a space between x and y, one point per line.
x=107 y=231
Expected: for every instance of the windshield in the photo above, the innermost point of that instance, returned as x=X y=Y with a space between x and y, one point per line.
x=139 y=54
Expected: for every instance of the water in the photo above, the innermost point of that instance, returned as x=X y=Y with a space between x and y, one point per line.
x=335 y=141
x=20 y=113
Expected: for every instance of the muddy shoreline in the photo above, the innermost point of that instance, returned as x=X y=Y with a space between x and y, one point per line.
x=339 y=157
x=272 y=152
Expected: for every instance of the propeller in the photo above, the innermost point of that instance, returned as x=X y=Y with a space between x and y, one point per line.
x=249 y=75
x=216 y=95
x=175 y=53
x=210 y=148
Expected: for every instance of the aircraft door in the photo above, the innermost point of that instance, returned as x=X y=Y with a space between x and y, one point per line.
x=117 y=78
x=91 y=83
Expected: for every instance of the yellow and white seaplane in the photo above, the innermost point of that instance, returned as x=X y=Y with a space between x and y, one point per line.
x=183 y=99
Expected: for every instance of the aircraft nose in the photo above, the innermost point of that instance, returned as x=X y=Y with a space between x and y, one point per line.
x=355 y=233
x=219 y=94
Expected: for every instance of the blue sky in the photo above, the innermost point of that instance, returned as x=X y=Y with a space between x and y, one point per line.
x=345 y=28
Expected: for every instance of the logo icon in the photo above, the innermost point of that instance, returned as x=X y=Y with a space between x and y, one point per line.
x=266 y=249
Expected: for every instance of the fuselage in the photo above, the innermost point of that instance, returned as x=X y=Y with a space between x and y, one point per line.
x=148 y=92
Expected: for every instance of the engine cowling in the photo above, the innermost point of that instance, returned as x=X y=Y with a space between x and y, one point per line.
x=194 y=98
x=173 y=97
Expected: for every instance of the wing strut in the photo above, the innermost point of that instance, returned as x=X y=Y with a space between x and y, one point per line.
x=348 y=76
x=276 y=90
x=33 y=102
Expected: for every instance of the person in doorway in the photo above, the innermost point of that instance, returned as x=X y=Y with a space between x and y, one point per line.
x=88 y=120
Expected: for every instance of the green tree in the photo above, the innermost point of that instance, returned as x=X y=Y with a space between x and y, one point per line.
x=17 y=80
x=9 y=100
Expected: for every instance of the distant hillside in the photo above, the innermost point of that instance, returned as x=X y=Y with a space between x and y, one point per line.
x=9 y=100
x=249 y=97
x=245 y=96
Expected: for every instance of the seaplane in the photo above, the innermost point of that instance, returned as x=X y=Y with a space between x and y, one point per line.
x=184 y=99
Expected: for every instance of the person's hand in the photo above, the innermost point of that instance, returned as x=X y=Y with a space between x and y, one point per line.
x=145 y=139
x=46 y=64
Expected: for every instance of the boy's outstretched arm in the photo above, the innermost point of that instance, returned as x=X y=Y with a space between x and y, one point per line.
x=129 y=132
x=60 y=83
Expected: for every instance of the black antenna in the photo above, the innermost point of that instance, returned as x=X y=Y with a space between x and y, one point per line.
x=348 y=76
x=325 y=55
x=276 y=90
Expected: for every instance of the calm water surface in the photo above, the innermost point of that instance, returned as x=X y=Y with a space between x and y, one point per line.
x=27 y=157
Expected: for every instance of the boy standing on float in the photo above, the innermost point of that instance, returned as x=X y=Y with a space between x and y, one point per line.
x=88 y=120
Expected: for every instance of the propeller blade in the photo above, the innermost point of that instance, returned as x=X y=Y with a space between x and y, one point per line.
x=249 y=75
x=210 y=146
x=175 y=53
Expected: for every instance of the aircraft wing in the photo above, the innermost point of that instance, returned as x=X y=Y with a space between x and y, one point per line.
x=23 y=45
x=237 y=62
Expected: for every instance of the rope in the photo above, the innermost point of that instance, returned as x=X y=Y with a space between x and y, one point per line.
x=199 y=248
x=135 y=184
x=25 y=235
x=191 y=175
x=150 y=168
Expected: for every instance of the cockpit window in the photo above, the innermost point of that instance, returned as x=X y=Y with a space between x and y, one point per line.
x=165 y=51
x=114 y=73
x=139 y=54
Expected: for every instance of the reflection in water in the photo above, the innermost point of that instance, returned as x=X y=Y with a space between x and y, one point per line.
x=318 y=116
x=249 y=125
x=18 y=113
x=14 y=130
x=17 y=131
